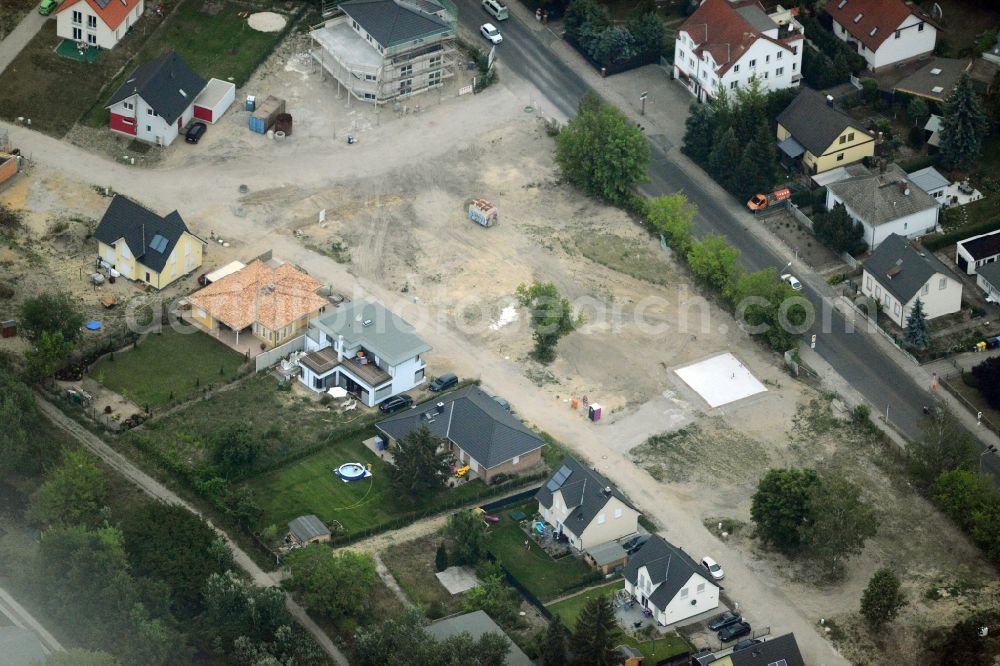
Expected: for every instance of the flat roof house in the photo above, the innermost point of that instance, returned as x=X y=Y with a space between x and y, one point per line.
x=884 y=32
x=97 y=23
x=899 y=272
x=481 y=433
x=145 y=247
x=582 y=505
x=665 y=580
x=977 y=251
x=932 y=182
x=817 y=136
x=363 y=347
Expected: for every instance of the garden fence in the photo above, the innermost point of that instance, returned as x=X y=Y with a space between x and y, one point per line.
x=266 y=359
x=522 y=590
x=512 y=499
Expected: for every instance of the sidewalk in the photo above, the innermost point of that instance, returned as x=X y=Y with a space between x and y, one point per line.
x=20 y=36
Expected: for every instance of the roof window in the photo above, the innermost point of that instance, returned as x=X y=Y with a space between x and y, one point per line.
x=857 y=19
x=937 y=89
x=841 y=4
x=874 y=30
x=935 y=71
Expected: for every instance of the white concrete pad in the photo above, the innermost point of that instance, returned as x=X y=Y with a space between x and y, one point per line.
x=458 y=579
x=720 y=380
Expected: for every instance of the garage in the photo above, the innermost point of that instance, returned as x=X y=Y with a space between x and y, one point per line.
x=214 y=100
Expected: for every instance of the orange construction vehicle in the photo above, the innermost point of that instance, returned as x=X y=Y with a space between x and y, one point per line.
x=761 y=201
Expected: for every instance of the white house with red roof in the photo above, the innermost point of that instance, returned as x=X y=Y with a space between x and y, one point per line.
x=723 y=45
x=100 y=23
x=884 y=32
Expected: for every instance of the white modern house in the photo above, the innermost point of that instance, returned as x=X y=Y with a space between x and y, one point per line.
x=900 y=271
x=97 y=23
x=723 y=45
x=884 y=32
x=884 y=204
x=364 y=348
x=974 y=252
x=664 y=579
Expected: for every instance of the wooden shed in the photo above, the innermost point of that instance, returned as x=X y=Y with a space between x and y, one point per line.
x=309 y=529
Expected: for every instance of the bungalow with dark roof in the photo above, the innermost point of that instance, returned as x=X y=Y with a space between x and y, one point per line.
x=884 y=32
x=141 y=245
x=816 y=136
x=665 y=580
x=582 y=505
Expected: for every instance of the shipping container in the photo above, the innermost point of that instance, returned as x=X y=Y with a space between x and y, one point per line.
x=263 y=118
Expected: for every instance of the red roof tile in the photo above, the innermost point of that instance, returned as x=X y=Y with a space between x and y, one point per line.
x=881 y=16
x=112 y=13
x=718 y=28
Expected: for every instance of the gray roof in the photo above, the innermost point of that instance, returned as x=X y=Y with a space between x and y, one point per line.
x=929 y=179
x=880 y=198
x=372 y=326
x=476 y=624
x=933 y=124
x=757 y=18
x=167 y=84
x=472 y=420
x=583 y=490
x=606 y=553
x=770 y=652
x=667 y=565
x=308 y=527
x=991 y=273
x=150 y=238
x=935 y=80
x=909 y=268
x=813 y=123
x=390 y=23
x=20 y=647
x=982 y=246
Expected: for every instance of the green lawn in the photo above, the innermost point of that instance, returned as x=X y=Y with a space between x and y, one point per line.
x=545 y=577
x=168 y=368
x=569 y=609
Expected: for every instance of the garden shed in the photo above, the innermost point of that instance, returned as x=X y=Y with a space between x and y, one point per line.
x=308 y=529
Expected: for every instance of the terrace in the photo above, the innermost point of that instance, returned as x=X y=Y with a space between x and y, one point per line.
x=324 y=361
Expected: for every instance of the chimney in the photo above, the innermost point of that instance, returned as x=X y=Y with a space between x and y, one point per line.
x=829 y=101
x=904 y=187
x=340 y=349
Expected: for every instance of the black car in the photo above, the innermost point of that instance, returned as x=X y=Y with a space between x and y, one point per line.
x=724 y=620
x=444 y=382
x=395 y=403
x=746 y=643
x=195 y=132
x=734 y=631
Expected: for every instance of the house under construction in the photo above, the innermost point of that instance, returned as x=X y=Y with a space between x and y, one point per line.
x=384 y=50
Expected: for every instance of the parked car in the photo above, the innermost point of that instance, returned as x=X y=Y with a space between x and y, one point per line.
x=444 y=382
x=395 y=403
x=47 y=7
x=491 y=33
x=734 y=631
x=746 y=643
x=724 y=620
x=497 y=9
x=195 y=132
x=713 y=568
x=792 y=281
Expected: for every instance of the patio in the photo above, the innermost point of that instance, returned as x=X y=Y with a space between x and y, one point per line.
x=547 y=539
x=68 y=49
x=633 y=618
x=244 y=342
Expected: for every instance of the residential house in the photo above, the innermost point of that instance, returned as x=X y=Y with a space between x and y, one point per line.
x=274 y=300
x=384 y=50
x=364 y=348
x=476 y=624
x=583 y=506
x=305 y=530
x=885 y=204
x=665 y=580
x=480 y=433
x=816 y=136
x=780 y=651
x=723 y=45
x=988 y=279
x=97 y=23
x=932 y=182
x=143 y=246
x=900 y=271
x=884 y=32
x=20 y=647
x=156 y=101
x=935 y=80
x=977 y=251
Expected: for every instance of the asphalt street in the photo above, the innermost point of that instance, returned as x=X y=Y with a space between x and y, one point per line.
x=879 y=379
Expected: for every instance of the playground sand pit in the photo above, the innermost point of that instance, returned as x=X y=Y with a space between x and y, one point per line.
x=720 y=380
x=267 y=22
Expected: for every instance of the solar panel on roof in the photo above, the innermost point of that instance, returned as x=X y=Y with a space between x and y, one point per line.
x=159 y=243
x=558 y=478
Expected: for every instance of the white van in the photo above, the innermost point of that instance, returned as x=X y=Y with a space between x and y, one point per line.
x=497 y=10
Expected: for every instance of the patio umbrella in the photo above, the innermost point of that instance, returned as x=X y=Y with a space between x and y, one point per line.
x=337 y=392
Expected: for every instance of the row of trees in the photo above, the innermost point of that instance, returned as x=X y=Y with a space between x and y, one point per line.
x=589 y=25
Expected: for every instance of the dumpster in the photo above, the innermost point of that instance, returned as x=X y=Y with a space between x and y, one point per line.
x=483 y=212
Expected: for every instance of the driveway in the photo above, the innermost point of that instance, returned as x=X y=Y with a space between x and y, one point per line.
x=20 y=36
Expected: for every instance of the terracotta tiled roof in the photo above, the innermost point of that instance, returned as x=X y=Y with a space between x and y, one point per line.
x=880 y=17
x=273 y=296
x=718 y=28
x=112 y=12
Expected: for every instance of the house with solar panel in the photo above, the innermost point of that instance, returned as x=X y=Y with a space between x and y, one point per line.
x=583 y=506
x=143 y=246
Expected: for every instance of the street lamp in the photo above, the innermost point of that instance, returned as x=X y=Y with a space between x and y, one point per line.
x=989 y=449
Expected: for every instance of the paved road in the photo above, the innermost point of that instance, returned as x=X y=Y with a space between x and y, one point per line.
x=21 y=35
x=22 y=618
x=158 y=491
x=854 y=355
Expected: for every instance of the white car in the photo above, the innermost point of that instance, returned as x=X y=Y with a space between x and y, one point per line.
x=792 y=281
x=491 y=33
x=713 y=568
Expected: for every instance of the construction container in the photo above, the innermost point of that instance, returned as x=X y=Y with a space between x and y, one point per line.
x=483 y=212
x=263 y=118
x=283 y=123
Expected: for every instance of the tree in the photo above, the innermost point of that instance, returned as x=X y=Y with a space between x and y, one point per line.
x=51 y=313
x=917 y=110
x=987 y=376
x=961 y=494
x=713 y=260
x=725 y=153
x=470 y=540
x=673 y=216
x=554 y=644
x=781 y=505
x=614 y=45
x=838 y=522
x=758 y=162
x=236 y=448
x=290 y=646
x=400 y=639
x=945 y=446
x=916 y=333
x=73 y=493
x=48 y=355
x=441 y=558
x=590 y=102
x=604 y=154
x=963 y=126
x=235 y=607
x=337 y=585
x=551 y=317
x=882 y=599
x=582 y=15
x=841 y=71
x=494 y=597
x=698 y=130
x=762 y=302
x=168 y=542
x=963 y=645
x=986 y=530
x=463 y=650
x=597 y=633
x=418 y=469
x=80 y=657
x=647 y=33
x=23 y=446
x=838 y=231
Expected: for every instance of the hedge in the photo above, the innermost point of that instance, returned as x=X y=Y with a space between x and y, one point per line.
x=920 y=163
x=937 y=241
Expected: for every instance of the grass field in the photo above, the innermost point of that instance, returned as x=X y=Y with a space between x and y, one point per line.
x=412 y=565
x=545 y=577
x=168 y=368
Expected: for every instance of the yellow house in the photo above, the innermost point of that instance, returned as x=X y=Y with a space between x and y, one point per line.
x=813 y=133
x=275 y=302
x=145 y=247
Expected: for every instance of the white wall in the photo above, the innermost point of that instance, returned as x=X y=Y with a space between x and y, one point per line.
x=701 y=596
x=937 y=301
x=992 y=293
x=912 y=42
x=910 y=226
x=101 y=35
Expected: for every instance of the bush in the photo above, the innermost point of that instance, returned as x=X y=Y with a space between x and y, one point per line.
x=935 y=242
x=915 y=137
